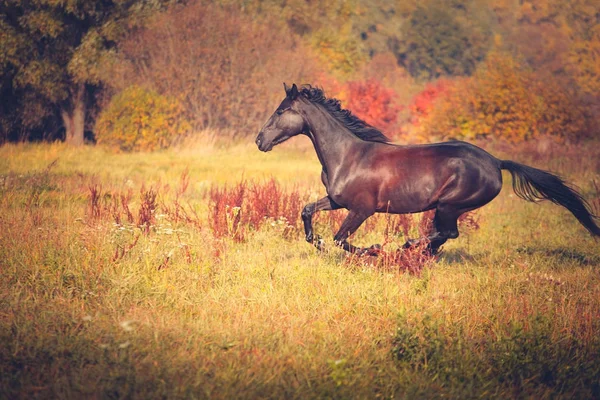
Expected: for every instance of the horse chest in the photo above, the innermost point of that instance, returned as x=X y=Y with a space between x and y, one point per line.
x=333 y=190
x=339 y=190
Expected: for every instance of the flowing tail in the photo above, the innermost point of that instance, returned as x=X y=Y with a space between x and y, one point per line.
x=533 y=184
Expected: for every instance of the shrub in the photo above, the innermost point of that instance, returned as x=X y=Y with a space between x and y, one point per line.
x=338 y=50
x=141 y=119
x=372 y=102
x=505 y=100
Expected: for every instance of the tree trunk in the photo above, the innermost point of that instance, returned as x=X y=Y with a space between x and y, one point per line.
x=74 y=117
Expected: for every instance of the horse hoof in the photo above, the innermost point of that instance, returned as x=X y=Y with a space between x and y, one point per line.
x=319 y=244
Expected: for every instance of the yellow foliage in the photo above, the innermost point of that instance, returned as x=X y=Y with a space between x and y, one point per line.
x=504 y=100
x=140 y=119
x=338 y=50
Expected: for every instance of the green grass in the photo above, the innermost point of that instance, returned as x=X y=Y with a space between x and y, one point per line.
x=511 y=310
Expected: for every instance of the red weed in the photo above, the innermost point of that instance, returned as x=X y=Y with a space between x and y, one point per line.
x=148 y=206
x=469 y=221
x=225 y=211
x=234 y=211
x=121 y=251
x=125 y=199
x=95 y=206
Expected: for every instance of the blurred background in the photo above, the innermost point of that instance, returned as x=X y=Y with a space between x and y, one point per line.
x=144 y=75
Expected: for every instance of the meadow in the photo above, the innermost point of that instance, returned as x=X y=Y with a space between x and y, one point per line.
x=127 y=276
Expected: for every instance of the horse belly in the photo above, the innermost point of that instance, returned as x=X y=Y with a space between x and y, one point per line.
x=401 y=196
x=404 y=203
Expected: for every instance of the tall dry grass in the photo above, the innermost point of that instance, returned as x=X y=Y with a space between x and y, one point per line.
x=115 y=285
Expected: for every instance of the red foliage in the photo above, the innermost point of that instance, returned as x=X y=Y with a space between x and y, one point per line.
x=95 y=208
x=468 y=221
x=176 y=212
x=270 y=201
x=411 y=260
x=372 y=102
x=224 y=210
x=423 y=103
x=233 y=211
x=116 y=204
x=414 y=258
x=333 y=219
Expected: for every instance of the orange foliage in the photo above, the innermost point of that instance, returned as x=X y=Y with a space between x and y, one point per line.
x=422 y=104
x=505 y=100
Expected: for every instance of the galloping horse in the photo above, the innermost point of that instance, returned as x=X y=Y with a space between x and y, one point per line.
x=365 y=174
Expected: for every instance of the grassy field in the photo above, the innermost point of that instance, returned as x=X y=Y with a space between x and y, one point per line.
x=96 y=303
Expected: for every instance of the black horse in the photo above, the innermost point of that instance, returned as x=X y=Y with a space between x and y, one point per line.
x=365 y=174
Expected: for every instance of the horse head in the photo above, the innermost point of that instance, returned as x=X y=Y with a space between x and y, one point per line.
x=285 y=122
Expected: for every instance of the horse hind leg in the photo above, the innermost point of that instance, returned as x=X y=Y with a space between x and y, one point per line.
x=444 y=227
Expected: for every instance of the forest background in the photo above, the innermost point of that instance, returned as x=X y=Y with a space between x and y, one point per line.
x=144 y=75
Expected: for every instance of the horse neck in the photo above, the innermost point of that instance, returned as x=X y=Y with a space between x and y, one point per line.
x=331 y=139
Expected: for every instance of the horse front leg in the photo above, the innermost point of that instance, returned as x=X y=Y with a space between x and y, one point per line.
x=324 y=204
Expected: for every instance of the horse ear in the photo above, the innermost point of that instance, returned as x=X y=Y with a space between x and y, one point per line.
x=286 y=88
x=293 y=92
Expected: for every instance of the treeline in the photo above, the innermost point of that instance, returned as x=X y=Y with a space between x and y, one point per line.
x=141 y=75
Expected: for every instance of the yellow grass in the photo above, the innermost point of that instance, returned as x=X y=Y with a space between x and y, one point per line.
x=510 y=310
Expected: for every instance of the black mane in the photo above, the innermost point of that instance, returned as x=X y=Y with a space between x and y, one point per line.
x=354 y=124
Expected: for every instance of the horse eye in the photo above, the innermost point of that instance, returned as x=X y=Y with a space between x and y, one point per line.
x=280 y=111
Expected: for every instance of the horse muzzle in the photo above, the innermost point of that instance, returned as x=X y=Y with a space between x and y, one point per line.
x=262 y=143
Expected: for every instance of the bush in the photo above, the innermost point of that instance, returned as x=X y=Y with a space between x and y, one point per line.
x=141 y=119
x=372 y=102
x=507 y=101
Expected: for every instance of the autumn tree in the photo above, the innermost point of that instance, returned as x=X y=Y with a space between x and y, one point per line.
x=379 y=24
x=583 y=21
x=51 y=55
x=327 y=25
x=442 y=38
x=423 y=103
x=505 y=99
x=225 y=69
